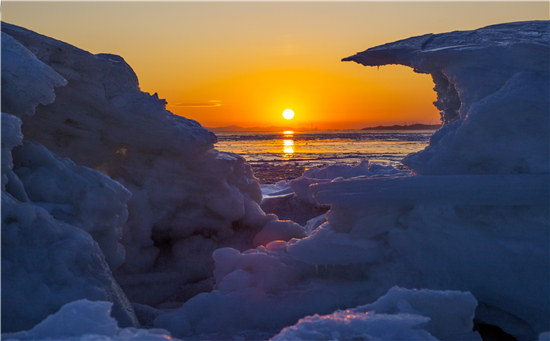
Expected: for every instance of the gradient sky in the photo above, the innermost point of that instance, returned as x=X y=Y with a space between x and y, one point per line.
x=243 y=63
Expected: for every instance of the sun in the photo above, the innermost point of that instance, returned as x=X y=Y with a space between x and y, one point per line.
x=288 y=114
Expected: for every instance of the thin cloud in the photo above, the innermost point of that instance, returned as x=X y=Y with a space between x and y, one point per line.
x=209 y=104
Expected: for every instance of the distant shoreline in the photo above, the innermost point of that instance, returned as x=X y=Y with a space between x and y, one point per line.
x=233 y=128
x=237 y=128
x=416 y=126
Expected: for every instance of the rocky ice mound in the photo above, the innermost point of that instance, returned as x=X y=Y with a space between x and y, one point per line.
x=86 y=320
x=401 y=314
x=51 y=211
x=294 y=200
x=493 y=92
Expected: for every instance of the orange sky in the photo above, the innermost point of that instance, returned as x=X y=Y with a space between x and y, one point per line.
x=243 y=63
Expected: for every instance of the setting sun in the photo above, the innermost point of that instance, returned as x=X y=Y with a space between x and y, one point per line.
x=288 y=114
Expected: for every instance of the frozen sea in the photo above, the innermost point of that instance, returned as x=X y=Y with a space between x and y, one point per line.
x=285 y=155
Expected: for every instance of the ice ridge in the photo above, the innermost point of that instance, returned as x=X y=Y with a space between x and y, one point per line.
x=492 y=88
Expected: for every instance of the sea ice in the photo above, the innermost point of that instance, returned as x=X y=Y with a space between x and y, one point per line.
x=401 y=314
x=294 y=200
x=77 y=195
x=350 y=325
x=26 y=81
x=86 y=320
x=45 y=261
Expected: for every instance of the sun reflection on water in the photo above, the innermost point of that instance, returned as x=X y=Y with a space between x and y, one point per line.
x=288 y=144
x=288 y=148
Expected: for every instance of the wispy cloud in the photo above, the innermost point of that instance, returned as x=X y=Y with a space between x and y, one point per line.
x=209 y=104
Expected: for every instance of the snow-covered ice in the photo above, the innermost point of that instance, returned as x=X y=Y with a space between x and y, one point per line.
x=294 y=200
x=493 y=92
x=26 y=81
x=401 y=314
x=46 y=261
x=86 y=320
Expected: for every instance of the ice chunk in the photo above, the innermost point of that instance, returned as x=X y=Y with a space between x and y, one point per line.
x=279 y=188
x=300 y=187
x=47 y=263
x=349 y=325
x=11 y=137
x=278 y=230
x=86 y=320
x=26 y=81
x=401 y=314
x=451 y=313
x=314 y=223
x=499 y=189
x=492 y=87
x=266 y=270
x=290 y=207
x=325 y=246
x=76 y=195
x=294 y=200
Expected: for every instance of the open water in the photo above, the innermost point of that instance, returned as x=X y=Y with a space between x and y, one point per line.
x=285 y=155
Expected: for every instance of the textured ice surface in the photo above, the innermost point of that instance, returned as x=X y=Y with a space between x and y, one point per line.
x=187 y=198
x=86 y=320
x=45 y=261
x=263 y=290
x=493 y=93
x=451 y=313
x=294 y=200
x=26 y=81
x=77 y=195
x=401 y=314
x=350 y=325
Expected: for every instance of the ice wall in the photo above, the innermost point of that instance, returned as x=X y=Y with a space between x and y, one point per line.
x=493 y=93
x=187 y=199
x=51 y=208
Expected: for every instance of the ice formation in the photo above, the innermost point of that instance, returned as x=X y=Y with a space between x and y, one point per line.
x=187 y=199
x=86 y=320
x=401 y=314
x=48 y=259
x=294 y=200
x=469 y=226
x=492 y=86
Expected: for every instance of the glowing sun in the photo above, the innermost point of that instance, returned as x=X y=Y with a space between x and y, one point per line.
x=288 y=114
